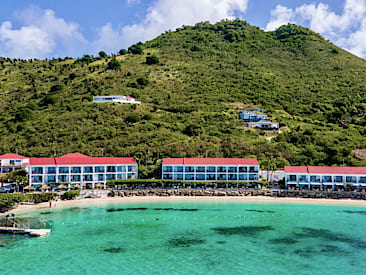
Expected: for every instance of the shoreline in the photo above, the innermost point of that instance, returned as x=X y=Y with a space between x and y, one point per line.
x=156 y=199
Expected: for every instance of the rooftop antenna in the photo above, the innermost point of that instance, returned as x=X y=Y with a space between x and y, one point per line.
x=55 y=152
x=102 y=151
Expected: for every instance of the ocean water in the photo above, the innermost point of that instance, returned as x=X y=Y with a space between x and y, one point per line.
x=191 y=238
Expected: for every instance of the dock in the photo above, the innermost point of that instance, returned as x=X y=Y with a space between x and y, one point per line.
x=25 y=231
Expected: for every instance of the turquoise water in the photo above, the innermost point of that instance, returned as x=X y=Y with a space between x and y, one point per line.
x=192 y=238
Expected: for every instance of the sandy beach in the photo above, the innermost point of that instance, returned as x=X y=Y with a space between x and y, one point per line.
x=151 y=199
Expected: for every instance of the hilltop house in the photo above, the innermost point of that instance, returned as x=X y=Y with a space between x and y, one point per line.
x=10 y=162
x=115 y=98
x=255 y=118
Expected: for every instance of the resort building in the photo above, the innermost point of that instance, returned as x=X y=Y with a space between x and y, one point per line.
x=115 y=98
x=10 y=162
x=210 y=169
x=324 y=176
x=76 y=168
x=255 y=118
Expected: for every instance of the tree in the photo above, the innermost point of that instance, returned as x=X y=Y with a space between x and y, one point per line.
x=102 y=54
x=132 y=118
x=136 y=49
x=114 y=64
x=150 y=60
x=123 y=51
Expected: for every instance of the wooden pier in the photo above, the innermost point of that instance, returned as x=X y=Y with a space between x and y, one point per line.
x=25 y=231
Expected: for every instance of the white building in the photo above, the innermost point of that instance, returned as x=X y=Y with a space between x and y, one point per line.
x=324 y=176
x=76 y=168
x=115 y=98
x=10 y=162
x=211 y=169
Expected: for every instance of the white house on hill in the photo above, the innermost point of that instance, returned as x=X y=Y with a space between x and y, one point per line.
x=115 y=98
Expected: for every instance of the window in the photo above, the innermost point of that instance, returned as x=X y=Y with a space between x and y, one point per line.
x=75 y=178
x=167 y=169
x=315 y=179
x=221 y=169
x=168 y=176
x=88 y=177
x=362 y=180
x=131 y=176
x=37 y=170
x=178 y=176
x=63 y=178
x=303 y=179
x=221 y=177
x=76 y=170
x=327 y=179
x=121 y=169
x=243 y=169
x=253 y=177
x=189 y=169
x=111 y=169
x=211 y=169
x=211 y=177
x=51 y=170
x=243 y=177
x=253 y=169
x=292 y=178
x=232 y=177
x=88 y=169
x=111 y=176
x=99 y=169
x=200 y=176
x=121 y=176
x=338 y=179
x=63 y=170
x=189 y=177
x=36 y=179
x=100 y=177
x=178 y=169
x=51 y=179
x=351 y=179
x=200 y=169
x=233 y=169
x=131 y=168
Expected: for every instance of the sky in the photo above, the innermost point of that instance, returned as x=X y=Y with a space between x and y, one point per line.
x=59 y=28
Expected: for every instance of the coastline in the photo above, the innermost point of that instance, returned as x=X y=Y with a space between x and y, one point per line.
x=156 y=199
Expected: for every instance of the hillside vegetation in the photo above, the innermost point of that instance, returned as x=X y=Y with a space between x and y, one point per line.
x=190 y=82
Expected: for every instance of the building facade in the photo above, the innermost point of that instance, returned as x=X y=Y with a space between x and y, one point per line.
x=210 y=169
x=11 y=162
x=76 y=168
x=257 y=119
x=324 y=176
x=115 y=98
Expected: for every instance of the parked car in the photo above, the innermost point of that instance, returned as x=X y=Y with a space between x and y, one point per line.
x=7 y=189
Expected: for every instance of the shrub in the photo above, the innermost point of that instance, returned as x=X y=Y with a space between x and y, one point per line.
x=150 y=60
x=102 y=54
x=114 y=64
x=123 y=51
x=136 y=49
x=70 y=195
x=132 y=118
x=49 y=100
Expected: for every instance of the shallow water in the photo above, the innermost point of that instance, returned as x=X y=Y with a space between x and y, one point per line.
x=192 y=237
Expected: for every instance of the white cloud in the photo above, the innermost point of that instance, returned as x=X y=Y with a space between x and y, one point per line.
x=131 y=2
x=279 y=16
x=348 y=29
x=166 y=14
x=42 y=35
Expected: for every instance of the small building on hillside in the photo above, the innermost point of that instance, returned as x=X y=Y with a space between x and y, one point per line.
x=255 y=118
x=115 y=98
x=211 y=169
x=11 y=162
x=324 y=176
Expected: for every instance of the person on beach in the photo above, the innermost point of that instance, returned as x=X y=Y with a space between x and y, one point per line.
x=50 y=203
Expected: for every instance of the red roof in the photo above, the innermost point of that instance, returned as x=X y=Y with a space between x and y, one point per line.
x=80 y=159
x=326 y=170
x=12 y=156
x=296 y=169
x=209 y=161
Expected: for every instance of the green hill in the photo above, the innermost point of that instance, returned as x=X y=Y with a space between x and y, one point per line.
x=315 y=90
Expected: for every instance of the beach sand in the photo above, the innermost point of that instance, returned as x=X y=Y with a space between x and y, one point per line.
x=151 y=199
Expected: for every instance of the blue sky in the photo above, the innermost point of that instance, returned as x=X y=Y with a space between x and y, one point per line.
x=54 y=28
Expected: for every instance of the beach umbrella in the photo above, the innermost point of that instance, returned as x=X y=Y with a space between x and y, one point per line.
x=99 y=185
x=77 y=186
x=61 y=186
x=28 y=188
x=44 y=187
